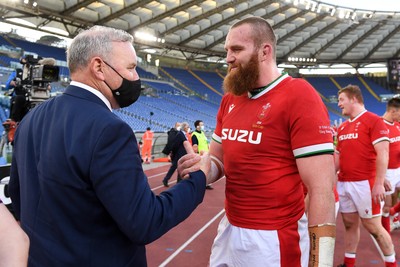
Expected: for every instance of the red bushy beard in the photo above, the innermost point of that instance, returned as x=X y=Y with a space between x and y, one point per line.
x=243 y=78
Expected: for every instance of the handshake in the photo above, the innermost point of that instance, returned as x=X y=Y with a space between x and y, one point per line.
x=192 y=162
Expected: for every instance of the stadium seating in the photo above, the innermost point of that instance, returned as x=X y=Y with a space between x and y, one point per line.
x=195 y=84
x=40 y=49
x=145 y=74
x=188 y=95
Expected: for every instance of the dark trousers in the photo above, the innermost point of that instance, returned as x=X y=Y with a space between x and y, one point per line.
x=174 y=165
x=18 y=108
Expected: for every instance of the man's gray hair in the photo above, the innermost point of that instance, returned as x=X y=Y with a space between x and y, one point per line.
x=184 y=125
x=96 y=41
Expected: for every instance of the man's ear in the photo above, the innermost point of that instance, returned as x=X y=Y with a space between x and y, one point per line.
x=97 y=67
x=266 y=51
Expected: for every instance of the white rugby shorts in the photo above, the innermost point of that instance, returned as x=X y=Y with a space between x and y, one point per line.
x=393 y=176
x=356 y=197
x=238 y=247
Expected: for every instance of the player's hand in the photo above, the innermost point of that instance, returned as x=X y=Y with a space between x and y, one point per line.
x=378 y=193
x=387 y=185
x=192 y=162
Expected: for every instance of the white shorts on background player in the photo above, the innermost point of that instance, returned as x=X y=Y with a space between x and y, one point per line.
x=356 y=197
x=237 y=247
x=393 y=176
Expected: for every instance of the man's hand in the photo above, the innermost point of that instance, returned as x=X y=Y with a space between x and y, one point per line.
x=387 y=185
x=378 y=193
x=192 y=162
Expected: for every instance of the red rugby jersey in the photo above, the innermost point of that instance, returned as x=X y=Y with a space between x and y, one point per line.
x=261 y=137
x=394 y=146
x=356 y=140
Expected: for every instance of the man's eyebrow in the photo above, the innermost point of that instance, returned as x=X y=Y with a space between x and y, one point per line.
x=236 y=47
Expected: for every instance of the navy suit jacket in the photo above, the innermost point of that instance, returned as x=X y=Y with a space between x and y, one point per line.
x=78 y=187
x=178 y=148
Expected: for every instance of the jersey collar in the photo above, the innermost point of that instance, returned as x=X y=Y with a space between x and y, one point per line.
x=358 y=116
x=258 y=92
x=388 y=122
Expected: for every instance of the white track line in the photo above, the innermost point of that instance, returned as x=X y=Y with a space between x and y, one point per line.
x=156 y=175
x=378 y=248
x=170 y=258
x=162 y=186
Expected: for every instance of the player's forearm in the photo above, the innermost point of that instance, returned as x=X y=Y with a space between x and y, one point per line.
x=321 y=207
x=381 y=168
x=382 y=161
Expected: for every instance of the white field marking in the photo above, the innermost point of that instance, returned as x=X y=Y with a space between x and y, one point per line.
x=156 y=175
x=174 y=182
x=170 y=258
x=162 y=186
x=378 y=248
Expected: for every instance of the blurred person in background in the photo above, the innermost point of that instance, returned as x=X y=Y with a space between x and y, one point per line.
x=177 y=151
x=199 y=141
x=361 y=159
x=14 y=243
x=147 y=145
x=391 y=118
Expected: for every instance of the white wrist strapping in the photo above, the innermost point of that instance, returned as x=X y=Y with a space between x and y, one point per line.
x=217 y=169
x=322 y=244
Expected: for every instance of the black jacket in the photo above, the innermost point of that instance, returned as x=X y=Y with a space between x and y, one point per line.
x=171 y=136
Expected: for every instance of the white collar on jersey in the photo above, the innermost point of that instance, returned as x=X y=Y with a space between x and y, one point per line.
x=388 y=122
x=358 y=116
x=263 y=90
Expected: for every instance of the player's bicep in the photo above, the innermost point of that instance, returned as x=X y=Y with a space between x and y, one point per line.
x=381 y=147
x=317 y=172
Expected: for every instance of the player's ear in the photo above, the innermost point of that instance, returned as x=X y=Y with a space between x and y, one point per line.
x=266 y=51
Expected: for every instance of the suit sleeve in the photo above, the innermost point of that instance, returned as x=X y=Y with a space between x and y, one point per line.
x=121 y=185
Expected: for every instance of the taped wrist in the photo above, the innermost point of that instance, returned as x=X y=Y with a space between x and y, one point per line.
x=322 y=244
x=217 y=169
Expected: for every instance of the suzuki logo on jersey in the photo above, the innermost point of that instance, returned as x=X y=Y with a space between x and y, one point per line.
x=348 y=136
x=243 y=136
x=394 y=139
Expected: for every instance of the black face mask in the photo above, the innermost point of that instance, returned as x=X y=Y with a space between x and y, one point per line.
x=128 y=92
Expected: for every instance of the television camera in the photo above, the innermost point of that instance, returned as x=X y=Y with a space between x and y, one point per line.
x=32 y=87
x=33 y=81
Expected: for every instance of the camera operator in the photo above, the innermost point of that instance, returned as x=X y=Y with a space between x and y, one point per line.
x=16 y=91
x=10 y=84
x=26 y=85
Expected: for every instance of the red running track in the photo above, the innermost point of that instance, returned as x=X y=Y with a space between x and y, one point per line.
x=189 y=243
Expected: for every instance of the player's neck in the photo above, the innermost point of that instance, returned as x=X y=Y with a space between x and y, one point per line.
x=267 y=76
x=357 y=112
x=258 y=90
x=387 y=118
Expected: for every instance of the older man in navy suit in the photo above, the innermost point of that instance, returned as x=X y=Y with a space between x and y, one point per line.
x=77 y=182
